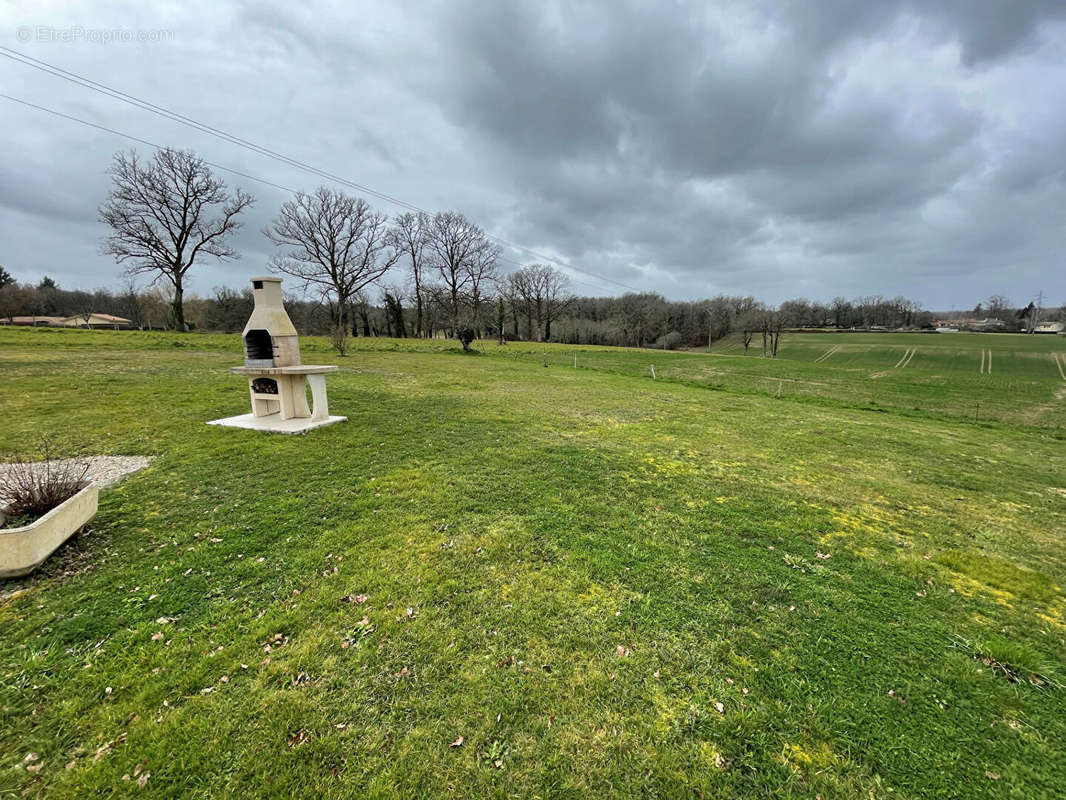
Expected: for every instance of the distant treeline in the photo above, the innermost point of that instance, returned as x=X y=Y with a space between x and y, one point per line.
x=630 y=320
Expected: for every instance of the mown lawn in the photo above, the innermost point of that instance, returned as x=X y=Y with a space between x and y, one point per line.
x=603 y=586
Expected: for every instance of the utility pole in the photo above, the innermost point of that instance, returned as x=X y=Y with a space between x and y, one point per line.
x=1034 y=314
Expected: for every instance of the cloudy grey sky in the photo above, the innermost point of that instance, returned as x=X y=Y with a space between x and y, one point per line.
x=767 y=147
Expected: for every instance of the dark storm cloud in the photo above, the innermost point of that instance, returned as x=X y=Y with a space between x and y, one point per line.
x=825 y=130
x=768 y=147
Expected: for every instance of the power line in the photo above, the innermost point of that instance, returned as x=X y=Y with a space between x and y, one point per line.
x=157 y=146
x=174 y=116
x=137 y=139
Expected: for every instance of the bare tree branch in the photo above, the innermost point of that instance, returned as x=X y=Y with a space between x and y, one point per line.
x=465 y=261
x=409 y=233
x=160 y=215
x=332 y=242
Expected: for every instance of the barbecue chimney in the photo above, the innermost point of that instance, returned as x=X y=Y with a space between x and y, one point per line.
x=270 y=339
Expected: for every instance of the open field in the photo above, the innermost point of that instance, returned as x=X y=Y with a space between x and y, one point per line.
x=1006 y=377
x=1011 y=378
x=602 y=585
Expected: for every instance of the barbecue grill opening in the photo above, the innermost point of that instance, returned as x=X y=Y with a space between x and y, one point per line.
x=258 y=345
x=265 y=386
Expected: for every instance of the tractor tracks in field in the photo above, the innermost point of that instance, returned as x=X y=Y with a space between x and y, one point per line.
x=834 y=349
x=986 y=362
x=1059 y=361
x=905 y=359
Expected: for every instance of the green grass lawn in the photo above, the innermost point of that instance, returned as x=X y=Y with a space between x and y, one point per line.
x=602 y=585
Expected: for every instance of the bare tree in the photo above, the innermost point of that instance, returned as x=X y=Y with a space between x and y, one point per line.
x=131 y=304
x=360 y=304
x=335 y=243
x=154 y=303
x=522 y=289
x=15 y=298
x=719 y=318
x=842 y=311
x=557 y=298
x=87 y=309
x=483 y=274
x=464 y=260
x=640 y=316
x=408 y=235
x=998 y=307
x=748 y=330
x=229 y=309
x=501 y=319
x=540 y=291
x=773 y=322
x=167 y=212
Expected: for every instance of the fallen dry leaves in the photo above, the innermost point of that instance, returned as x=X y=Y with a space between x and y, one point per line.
x=141 y=776
x=107 y=747
x=275 y=642
x=299 y=738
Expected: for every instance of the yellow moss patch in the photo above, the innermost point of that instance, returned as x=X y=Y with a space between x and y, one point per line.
x=670 y=467
x=817 y=756
x=997 y=577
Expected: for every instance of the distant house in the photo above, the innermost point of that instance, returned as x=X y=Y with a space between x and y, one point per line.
x=95 y=321
x=34 y=321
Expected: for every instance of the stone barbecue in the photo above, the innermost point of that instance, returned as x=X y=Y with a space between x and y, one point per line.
x=277 y=381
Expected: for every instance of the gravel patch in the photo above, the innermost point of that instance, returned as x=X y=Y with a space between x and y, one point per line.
x=103 y=470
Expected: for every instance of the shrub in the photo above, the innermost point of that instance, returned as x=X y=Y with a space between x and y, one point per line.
x=338 y=338
x=466 y=336
x=670 y=341
x=33 y=488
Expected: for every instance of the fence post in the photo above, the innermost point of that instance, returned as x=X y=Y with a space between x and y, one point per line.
x=653 y=372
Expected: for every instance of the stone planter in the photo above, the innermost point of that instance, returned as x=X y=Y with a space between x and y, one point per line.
x=24 y=549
